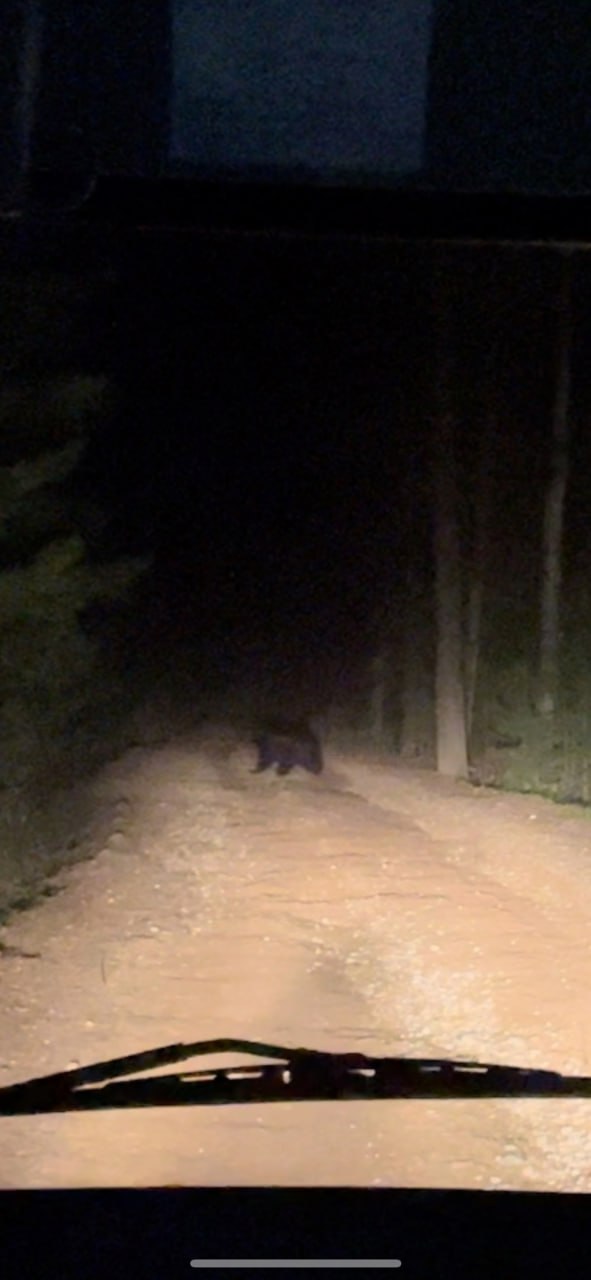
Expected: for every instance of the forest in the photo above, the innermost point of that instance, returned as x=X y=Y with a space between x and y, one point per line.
x=349 y=479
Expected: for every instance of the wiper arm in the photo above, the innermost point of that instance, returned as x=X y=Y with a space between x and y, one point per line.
x=294 y=1075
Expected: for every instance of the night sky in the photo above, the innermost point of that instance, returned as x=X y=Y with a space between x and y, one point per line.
x=446 y=92
x=325 y=85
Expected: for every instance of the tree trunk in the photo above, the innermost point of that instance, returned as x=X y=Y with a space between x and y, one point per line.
x=474 y=620
x=417 y=735
x=452 y=756
x=417 y=729
x=19 y=102
x=481 y=514
x=554 y=505
x=377 y=699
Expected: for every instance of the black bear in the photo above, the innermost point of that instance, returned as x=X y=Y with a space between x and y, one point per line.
x=286 y=746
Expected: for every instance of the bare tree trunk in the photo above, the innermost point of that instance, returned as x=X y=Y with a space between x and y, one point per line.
x=377 y=699
x=417 y=731
x=481 y=516
x=554 y=505
x=28 y=35
x=452 y=756
x=476 y=587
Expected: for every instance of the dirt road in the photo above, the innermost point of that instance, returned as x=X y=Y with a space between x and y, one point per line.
x=376 y=908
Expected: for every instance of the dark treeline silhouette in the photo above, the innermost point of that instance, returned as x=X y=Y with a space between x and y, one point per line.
x=509 y=85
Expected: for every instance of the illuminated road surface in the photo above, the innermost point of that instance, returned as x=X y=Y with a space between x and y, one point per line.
x=377 y=908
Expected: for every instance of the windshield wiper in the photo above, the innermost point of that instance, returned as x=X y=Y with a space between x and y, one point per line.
x=293 y=1075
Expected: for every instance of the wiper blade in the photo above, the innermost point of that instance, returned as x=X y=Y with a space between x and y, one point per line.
x=294 y=1075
